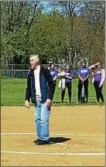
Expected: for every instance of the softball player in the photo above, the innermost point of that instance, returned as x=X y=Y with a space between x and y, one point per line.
x=98 y=74
x=83 y=75
x=68 y=83
x=54 y=74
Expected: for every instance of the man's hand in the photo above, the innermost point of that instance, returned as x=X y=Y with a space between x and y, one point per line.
x=48 y=103
x=82 y=79
x=68 y=77
x=100 y=85
x=98 y=63
x=27 y=105
x=55 y=78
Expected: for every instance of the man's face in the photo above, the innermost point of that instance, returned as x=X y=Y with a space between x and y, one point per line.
x=52 y=66
x=83 y=64
x=33 y=62
x=67 y=67
x=99 y=66
x=59 y=69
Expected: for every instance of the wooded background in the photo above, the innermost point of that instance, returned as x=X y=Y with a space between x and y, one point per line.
x=54 y=31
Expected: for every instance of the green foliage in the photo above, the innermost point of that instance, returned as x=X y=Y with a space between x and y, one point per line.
x=26 y=29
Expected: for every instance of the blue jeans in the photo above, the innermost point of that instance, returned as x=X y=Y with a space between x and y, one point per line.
x=42 y=115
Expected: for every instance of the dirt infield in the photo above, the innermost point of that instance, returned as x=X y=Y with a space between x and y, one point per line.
x=77 y=134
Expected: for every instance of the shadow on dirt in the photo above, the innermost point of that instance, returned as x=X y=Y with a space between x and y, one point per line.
x=54 y=140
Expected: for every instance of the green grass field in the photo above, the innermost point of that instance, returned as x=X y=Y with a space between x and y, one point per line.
x=13 y=93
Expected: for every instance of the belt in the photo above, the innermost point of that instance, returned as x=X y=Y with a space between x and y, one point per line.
x=38 y=97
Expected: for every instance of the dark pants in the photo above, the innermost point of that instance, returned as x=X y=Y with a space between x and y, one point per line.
x=98 y=90
x=80 y=85
x=69 y=87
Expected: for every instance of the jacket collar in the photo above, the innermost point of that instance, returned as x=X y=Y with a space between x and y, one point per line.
x=41 y=69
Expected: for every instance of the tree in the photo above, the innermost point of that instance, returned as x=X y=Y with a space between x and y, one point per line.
x=94 y=12
x=17 y=19
x=54 y=34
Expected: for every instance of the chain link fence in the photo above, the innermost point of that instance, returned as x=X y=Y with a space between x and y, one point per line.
x=16 y=75
x=20 y=70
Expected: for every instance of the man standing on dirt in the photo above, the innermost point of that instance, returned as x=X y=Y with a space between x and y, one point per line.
x=39 y=89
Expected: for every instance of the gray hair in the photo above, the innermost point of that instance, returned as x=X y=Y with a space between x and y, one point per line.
x=35 y=55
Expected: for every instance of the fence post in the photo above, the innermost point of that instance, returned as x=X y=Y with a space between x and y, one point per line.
x=12 y=71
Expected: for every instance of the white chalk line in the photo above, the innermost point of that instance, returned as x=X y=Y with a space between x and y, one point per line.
x=64 y=134
x=40 y=153
x=51 y=153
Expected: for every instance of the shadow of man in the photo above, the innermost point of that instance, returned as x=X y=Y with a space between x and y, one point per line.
x=54 y=140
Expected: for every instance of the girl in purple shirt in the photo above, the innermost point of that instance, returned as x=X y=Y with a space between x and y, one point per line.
x=98 y=74
x=68 y=83
x=54 y=74
x=83 y=75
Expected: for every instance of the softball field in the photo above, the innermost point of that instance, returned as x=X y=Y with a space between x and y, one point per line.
x=76 y=134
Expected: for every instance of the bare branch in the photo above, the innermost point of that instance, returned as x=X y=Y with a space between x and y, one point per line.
x=32 y=19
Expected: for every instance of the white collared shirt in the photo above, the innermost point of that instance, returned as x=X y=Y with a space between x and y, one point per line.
x=37 y=82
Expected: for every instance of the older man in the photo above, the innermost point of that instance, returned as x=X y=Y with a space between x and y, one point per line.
x=39 y=89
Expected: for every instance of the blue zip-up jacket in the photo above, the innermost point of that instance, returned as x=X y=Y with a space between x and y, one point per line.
x=46 y=85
